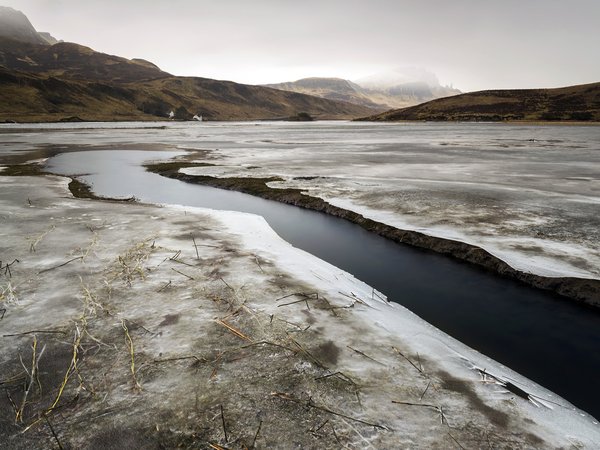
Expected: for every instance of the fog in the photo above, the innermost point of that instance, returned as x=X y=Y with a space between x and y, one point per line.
x=471 y=44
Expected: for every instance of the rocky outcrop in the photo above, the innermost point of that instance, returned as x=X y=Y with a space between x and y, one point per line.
x=15 y=25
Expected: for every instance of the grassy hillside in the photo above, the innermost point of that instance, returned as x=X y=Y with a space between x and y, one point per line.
x=66 y=80
x=26 y=97
x=74 y=61
x=573 y=103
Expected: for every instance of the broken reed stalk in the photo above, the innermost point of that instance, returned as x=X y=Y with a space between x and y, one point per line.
x=308 y=354
x=365 y=355
x=34 y=332
x=61 y=265
x=253 y=445
x=423 y=394
x=37 y=240
x=137 y=325
x=132 y=355
x=330 y=307
x=297 y=301
x=196 y=247
x=310 y=404
x=419 y=369
x=301 y=294
x=181 y=273
x=223 y=422
x=72 y=368
x=165 y=286
x=355 y=299
x=53 y=433
x=290 y=323
x=259 y=266
x=226 y=284
x=33 y=376
x=335 y=434
x=216 y=446
x=454 y=439
x=7 y=267
x=179 y=358
x=439 y=409
x=339 y=375
x=233 y=330
x=320 y=426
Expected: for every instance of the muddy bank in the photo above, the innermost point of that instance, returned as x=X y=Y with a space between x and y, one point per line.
x=583 y=290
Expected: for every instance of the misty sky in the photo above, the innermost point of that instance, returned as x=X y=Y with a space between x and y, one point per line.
x=473 y=44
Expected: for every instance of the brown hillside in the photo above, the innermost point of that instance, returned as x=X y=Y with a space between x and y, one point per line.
x=33 y=97
x=64 y=80
x=577 y=103
x=74 y=61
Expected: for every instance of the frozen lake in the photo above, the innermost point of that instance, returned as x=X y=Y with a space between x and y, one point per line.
x=451 y=172
x=527 y=194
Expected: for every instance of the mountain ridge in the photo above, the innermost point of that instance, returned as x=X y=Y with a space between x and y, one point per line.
x=40 y=81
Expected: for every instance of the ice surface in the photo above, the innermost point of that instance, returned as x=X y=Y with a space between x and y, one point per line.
x=527 y=194
x=160 y=282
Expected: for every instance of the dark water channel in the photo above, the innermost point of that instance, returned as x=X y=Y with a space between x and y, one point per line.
x=536 y=333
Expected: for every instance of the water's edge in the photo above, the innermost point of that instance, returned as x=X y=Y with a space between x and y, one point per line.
x=583 y=290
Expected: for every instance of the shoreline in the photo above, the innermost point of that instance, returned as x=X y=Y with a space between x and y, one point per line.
x=8 y=122
x=583 y=290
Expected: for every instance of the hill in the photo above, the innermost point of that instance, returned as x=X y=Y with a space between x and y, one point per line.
x=371 y=95
x=66 y=81
x=28 y=97
x=73 y=61
x=330 y=88
x=573 y=103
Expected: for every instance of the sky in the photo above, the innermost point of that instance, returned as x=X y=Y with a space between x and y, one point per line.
x=470 y=44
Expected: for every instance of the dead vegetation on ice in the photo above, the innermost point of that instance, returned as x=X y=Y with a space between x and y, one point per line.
x=132 y=326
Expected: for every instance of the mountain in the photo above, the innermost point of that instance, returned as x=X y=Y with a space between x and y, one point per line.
x=378 y=96
x=67 y=81
x=15 y=25
x=73 y=61
x=579 y=103
x=330 y=88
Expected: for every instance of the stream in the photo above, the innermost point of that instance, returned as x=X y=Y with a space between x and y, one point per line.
x=536 y=333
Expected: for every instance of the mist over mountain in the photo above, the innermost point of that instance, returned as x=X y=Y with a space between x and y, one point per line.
x=15 y=25
x=395 y=89
x=399 y=76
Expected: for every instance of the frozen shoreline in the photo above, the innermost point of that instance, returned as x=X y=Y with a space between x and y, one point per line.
x=244 y=263
x=528 y=195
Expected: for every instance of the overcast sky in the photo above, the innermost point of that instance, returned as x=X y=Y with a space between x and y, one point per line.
x=473 y=44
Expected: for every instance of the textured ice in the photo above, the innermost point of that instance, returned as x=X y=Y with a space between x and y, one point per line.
x=532 y=199
x=361 y=360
